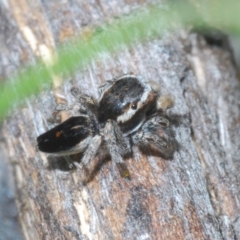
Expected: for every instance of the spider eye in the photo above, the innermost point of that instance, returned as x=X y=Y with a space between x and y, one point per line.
x=134 y=105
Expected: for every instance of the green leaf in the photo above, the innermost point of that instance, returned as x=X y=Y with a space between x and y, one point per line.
x=138 y=26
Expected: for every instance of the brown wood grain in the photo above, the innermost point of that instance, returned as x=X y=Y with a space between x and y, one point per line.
x=193 y=196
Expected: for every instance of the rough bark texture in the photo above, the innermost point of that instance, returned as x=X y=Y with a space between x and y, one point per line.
x=194 y=196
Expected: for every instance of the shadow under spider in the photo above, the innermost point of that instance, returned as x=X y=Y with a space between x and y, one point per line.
x=67 y=165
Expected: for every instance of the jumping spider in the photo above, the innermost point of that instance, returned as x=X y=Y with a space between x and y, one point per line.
x=129 y=114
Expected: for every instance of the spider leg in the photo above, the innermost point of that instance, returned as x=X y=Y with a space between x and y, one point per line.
x=85 y=100
x=165 y=102
x=61 y=112
x=57 y=111
x=156 y=135
x=70 y=163
x=62 y=107
x=136 y=153
x=85 y=167
x=118 y=146
x=91 y=150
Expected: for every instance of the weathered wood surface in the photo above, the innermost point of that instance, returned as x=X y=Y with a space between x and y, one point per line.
x=194 y=196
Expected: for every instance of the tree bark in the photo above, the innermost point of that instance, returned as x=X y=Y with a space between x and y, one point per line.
x=194 y=196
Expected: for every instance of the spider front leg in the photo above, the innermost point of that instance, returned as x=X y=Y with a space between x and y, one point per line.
x=86 y=167
x=165 y=102
x=63 y=111
x=118 y=146
x=91 y=150
x=156 y=135
x=85 y=100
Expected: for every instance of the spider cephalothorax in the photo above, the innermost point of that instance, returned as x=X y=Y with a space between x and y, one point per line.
x=129 y=111
x=126 y=100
